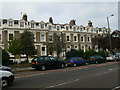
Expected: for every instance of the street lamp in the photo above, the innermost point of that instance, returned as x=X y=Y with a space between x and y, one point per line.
x=109 y=30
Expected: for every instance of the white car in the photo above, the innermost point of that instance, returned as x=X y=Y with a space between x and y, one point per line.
x=6 y=78
x=111 y=58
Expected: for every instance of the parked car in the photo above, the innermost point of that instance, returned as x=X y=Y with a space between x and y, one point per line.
x=76 y=61
x=111 y=58
x=6 y=78
x=46 y=62
x=117 y=57
x=5 y=68
x=96 y=59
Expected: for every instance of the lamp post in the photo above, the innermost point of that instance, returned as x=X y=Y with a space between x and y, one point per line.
x=109 y=31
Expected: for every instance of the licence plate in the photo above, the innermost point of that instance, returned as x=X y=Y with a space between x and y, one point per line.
x=68 y=63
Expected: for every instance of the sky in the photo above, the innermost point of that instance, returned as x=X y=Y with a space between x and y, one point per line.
x=62 y=12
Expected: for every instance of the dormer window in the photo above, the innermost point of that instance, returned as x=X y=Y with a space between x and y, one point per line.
x=81 y=29
x=42 y=25
x=74 y=28
x=67 y=28
x=50 y=27
x=58 y=28
x=10 y=24
x=21 y=24
x=32 y=25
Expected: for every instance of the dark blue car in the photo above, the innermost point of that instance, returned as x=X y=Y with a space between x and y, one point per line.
x=76 y=61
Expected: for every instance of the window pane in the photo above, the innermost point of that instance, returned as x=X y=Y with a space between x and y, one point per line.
x=21 y=24
x=32 y=25
x=58 y=28
x=75 y=38
x=50 y=38
x=42 y=37
x=68 y=38
x=43 y=50
x=50 y=27
x=10 y=24
x=10 y=36
x=66 y=27
x=82 y=38
x=42 y=25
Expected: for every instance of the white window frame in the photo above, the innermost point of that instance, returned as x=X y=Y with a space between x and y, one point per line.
x=23 y=24
x=67 y=27
x=89 y=47
x=76 y=47
x=58 y=28
x=10 y=23
x=74 y=28
x=42 y=26
x=49 y=27
x=42 y=39
x=32 y=25
x=50 y=37
x=81 y=38
x=89 y=39
x=83 y=47
x=68 y=38
x=9 y=36
x=76 y=39
x=43 y=52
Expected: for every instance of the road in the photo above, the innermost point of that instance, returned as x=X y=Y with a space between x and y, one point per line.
x=91 y=76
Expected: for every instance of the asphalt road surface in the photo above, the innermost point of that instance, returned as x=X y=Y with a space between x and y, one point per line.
x=100 y=76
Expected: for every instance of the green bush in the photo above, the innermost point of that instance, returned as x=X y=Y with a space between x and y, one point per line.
x=102 y=53
x=75 y=53
x=89 y=53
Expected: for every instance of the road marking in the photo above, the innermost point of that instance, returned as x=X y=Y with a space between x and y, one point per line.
x=63 y=83
x=116 y=88
x=110 y=69
x=65 y=70
x=30 y=75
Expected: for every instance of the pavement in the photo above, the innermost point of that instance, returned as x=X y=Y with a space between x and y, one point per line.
x=22 y=69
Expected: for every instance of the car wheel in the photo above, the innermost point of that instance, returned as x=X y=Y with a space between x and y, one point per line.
x=96 y=62
x=4 y=82
x=74 y=65
x=86 y=63
x=43 y=68
x=66 y=65
x=62 y=66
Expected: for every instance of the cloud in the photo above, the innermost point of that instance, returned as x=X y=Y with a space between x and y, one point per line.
x=63 y=12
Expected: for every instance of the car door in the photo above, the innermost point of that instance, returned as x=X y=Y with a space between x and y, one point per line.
x=48 y=61
x=54 y=61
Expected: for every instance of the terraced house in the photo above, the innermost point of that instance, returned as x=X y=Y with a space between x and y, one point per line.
x=74 y=36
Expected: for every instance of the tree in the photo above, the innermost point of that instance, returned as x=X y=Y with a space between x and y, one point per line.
x=57 y=44
x=81 y=53
x=89 y=53
x=102 y=53
x=50 y=48
x=72 y=53
x=27 y=44
x=5 y=58
x=14 y=47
